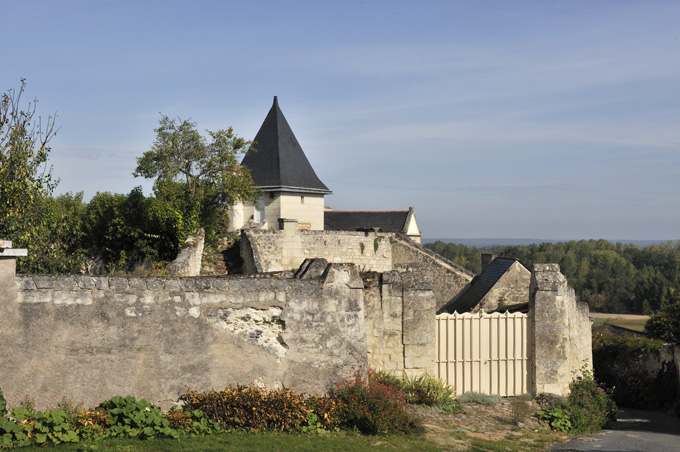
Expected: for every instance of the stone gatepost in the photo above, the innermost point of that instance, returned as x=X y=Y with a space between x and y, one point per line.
x=419 y=323
x=8 y=265
x=561 y=331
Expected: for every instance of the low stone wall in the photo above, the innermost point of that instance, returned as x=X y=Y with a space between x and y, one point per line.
x=95 y=337
x=561 y=339
x=400 y=322
x=269 y=250
x=448 y=279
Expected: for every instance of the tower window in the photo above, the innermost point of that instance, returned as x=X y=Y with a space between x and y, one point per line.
x=302 y=199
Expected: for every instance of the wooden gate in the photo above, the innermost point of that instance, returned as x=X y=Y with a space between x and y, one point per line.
x=488 y=353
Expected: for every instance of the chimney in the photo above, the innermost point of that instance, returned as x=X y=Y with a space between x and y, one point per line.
x=487 y=258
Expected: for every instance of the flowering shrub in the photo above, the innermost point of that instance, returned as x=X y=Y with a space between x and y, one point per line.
x=587 y=409
x=370 y=405
x=590 y=406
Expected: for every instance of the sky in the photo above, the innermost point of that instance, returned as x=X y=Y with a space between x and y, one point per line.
x=525 y=119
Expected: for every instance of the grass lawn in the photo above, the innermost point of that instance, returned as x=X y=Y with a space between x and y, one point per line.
x=275 y=442
x=636 y=323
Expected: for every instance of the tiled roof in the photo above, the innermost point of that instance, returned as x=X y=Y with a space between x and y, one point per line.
x=480 y=286
x=393 y=221
x=277 y=161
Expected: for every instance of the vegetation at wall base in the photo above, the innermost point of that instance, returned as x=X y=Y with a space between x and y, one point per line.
x=587 y=409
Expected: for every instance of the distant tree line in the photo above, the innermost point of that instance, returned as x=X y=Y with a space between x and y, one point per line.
x=610 y=277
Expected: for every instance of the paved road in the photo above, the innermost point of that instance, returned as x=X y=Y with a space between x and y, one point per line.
x=635 y=431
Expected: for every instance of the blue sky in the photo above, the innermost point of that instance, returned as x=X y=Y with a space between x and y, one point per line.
x=537 y=119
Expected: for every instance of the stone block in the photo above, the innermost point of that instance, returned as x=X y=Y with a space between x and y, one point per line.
x=66 y=282
x=101 y=282
x=45 y=281
x=118 y=283
x=125 y=298
x=172 y=285
x=221 y=284
x=188 y=284
x=213 y=298
x=418 y=337
x=137 y=283
x=203 y=284
x=72 y=297
x=84 y=282
x=420 y=300
x=154 y=284
x=192 y=298
x=25 y=283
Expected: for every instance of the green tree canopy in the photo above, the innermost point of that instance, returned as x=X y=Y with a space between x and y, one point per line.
x=199 y=176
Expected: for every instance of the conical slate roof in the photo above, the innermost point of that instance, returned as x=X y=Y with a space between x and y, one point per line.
x=277 y=161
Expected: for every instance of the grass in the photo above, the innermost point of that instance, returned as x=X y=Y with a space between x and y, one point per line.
x=630 y=324
x=270 y=442
x=341 y=441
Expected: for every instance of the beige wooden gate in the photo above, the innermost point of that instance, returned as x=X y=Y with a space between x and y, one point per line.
x=488 y=353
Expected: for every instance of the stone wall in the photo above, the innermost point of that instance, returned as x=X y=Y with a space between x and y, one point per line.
x=400 y=322
x=448 y=279
x=94 y=337
x=561 y=340
x=277 y=250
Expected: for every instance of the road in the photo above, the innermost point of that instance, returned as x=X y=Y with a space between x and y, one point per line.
x=635 y=431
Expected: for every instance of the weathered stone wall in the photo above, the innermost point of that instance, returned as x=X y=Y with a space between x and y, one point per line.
x=278 y=250
x=95 y=337
x=561 y=339
x=512 y=289
x=400 y=322
x=448 y=279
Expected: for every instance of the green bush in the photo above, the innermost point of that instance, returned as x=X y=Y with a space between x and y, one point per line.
x=430 y=391
x=478 y=397
x=587 y=408
x=132 y=418
x=370 y=405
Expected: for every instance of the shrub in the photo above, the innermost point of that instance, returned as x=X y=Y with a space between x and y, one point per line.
x=48 y=427
x=3 y=404
x=587 y=409
x=478 y=397
x=192 y=422
x=132 y=418
x=430 y=391
x=250 y=408
x=590 y=406
x=370 y=405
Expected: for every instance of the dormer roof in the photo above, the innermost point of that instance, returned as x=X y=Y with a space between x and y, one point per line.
x=276 y=160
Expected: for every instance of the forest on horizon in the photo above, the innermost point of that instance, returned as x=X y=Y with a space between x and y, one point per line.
x=611 y=277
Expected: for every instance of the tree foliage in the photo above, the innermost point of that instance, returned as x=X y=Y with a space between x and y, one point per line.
x=198 y=176
x=25 y=178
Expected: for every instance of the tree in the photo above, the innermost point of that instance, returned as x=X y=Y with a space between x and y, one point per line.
x=25 y=178
x=199 y=177
x=665 y=324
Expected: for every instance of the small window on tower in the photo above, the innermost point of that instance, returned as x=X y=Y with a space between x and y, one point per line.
x=272 y=195
x=302 y=199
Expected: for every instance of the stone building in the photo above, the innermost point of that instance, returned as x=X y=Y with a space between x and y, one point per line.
x=293 y=193
x=292 y=190
x=502 y=286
